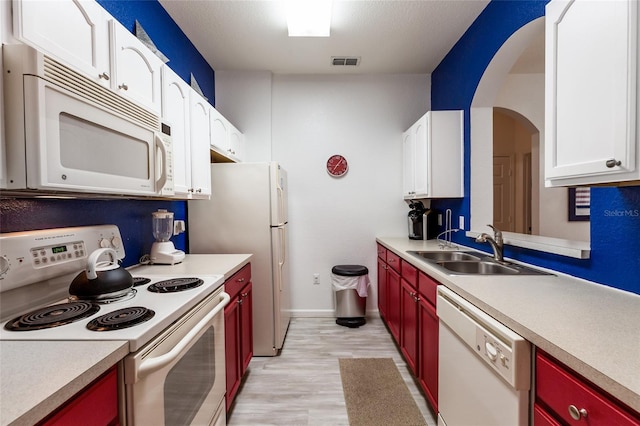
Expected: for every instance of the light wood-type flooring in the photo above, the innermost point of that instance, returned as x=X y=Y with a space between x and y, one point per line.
x=302 y=385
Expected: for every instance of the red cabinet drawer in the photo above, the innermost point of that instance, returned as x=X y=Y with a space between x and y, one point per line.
x=559 y=388
x=393 y=260
x=382 y=253
x=234 y=284
x=97 y=404
x=427 y=287
x=409 y=273
x=542 y=418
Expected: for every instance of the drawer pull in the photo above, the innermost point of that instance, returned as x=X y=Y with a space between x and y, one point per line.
x=240 y=280
x=576 y=413
x=612 y=163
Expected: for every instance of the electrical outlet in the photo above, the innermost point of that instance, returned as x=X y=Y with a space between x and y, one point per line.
x=461 y=222
x=316 y=278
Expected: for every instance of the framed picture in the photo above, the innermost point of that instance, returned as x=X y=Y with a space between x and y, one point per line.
x=579 y=204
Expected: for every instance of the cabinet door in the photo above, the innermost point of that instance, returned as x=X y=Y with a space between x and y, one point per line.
x=200 y=156
x=591 y=90
x=219 y=131
x=393 y=286
x=246 y=327
x=409 y=324
x=408 y=163
x=422 y=162
x=382 y=290
x=232 y=355
x=175 y=113
x=236 y=143
x=75 y=32
x=428 y=352
x=136 y=70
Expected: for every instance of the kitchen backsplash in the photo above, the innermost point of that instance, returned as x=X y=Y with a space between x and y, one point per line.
x=133 y=217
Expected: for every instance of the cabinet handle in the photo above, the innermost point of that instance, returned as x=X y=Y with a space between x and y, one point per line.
x=612 y=163
x=244 y=294
x=576 y=413
x=104 y=76
x=123 y=87
x=199 y=190
x=239 y=302
x=240 y=280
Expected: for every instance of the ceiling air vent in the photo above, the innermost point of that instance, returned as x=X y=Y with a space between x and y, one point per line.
x=345 y=61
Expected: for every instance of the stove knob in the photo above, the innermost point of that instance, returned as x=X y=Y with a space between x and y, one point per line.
x=492 y=352
x=104 y=243
x=4 y=265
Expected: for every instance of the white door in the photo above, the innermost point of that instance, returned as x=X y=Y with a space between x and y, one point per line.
x=175 y=113
x=503 y=193
x=75 y=32
x=591 y=78
x=136 y=70
x=200 y=151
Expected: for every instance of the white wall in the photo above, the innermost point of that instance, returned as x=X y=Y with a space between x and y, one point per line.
x=244 y=98
x=334 y=221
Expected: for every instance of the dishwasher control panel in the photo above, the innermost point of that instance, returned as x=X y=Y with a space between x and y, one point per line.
x=499 y=355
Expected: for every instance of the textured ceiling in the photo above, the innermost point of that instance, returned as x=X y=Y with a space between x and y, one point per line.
x=395 y=36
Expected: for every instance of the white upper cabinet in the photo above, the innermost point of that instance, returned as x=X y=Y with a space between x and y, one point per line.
x=200 y=151
x=74 y=32
x=225 y=138
x=135 y=69
x=433 y=156
x=591 y=134
x=175 y=113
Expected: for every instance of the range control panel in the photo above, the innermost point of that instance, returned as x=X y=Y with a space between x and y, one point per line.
x=33 y=256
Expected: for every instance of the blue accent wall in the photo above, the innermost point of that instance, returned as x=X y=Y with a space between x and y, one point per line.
x=133 y=217
x=615 y=212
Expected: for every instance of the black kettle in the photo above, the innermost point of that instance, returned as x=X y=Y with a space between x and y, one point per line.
x=101 y=279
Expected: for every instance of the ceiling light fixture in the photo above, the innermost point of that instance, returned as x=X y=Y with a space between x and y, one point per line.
x=309 y=18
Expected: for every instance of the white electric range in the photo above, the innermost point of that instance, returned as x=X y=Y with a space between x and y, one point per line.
x=43 y=255
x=172 y=331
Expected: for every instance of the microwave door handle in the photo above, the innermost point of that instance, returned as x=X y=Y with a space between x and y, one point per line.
x=152 y=364
x=163 y=150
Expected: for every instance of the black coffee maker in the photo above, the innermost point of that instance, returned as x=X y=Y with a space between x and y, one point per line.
x=416 y=220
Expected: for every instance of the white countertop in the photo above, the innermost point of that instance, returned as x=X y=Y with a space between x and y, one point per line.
x=592 y=328
x=37 y=377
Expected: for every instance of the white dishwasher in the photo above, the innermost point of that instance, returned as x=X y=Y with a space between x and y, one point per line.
x=484 y=368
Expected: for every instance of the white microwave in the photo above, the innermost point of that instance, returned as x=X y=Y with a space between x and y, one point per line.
x=65 y=132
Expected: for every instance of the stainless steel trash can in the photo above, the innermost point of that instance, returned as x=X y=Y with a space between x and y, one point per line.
x=350 y=305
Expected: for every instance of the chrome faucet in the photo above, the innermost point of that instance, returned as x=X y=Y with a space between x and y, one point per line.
x=496 y=242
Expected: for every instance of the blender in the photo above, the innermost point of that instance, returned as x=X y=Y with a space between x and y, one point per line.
x=163 y=251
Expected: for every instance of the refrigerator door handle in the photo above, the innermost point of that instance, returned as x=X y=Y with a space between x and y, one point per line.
x=283 y=253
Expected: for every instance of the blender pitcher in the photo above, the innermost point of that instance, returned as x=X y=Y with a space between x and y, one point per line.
x=163 y=251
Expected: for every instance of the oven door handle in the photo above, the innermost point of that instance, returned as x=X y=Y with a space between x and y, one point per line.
x=152 y=364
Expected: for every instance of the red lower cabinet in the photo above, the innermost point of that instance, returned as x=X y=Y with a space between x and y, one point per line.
x=409 y=325
x=238 y=331
x=382 y=288
x=98 y=402
x=428 y=353
x=564 y=397
x=393 y=306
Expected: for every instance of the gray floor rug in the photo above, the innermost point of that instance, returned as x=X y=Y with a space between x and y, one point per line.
x=376 y=394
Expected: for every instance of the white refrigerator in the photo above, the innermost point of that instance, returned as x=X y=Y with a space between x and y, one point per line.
x=247 y=213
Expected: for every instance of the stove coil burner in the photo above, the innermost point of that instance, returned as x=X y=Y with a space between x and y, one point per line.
x=106 y=298
x=122 y=318
x=137 y=281
x=53 y=316
x=175 y=284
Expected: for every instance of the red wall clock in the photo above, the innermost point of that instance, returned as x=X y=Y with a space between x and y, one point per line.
x=337 y=166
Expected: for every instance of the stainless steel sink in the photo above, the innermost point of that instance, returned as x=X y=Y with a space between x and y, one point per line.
x=445 y=256
x=479 y=267
x=472 y=263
